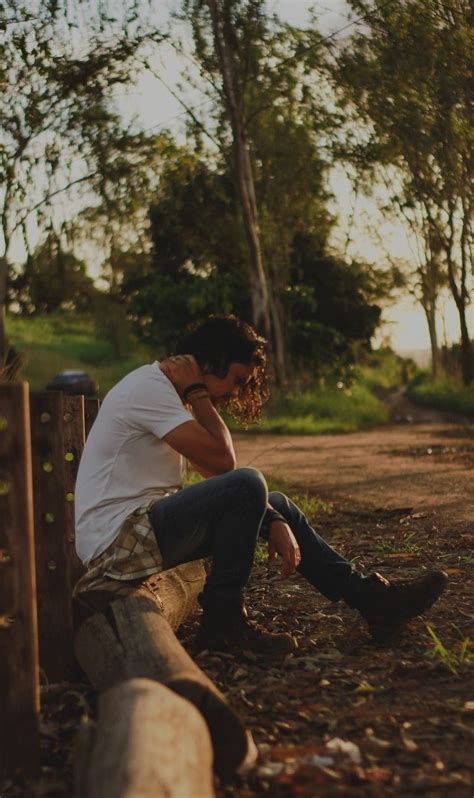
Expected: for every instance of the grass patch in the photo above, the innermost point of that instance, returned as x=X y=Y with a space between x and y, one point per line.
x=445 y=394
x=324 y=410
x=63 y=341
x=407 y=545
x=310 y=505
x=384 y=369
x=453 y=659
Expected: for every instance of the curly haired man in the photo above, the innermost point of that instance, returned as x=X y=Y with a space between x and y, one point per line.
x=133 y=518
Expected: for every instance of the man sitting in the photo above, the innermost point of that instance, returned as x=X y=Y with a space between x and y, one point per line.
x=133 y=518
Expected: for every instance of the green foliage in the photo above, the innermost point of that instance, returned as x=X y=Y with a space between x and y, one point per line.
x=68 y=340
x=404 y=80
x=460 y=655
x=446 y=394
x=319 y=305
x=111 y=323
x=311 y=505
x=51 y=279
x=324 y=410
x=199 y=267
x=329 y=307
x=60 y=130
x=406 y=545
x=383 y=368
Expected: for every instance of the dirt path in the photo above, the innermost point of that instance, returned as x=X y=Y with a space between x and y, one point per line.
x=342 y=717
x=425 y=465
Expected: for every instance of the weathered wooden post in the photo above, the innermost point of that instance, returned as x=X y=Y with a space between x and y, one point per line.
x=19 y=677
x=91 y=408
x=73 y=439
x=52 y=568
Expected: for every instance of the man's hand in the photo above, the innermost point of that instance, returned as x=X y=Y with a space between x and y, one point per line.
x=281 y=541
x=181 y=370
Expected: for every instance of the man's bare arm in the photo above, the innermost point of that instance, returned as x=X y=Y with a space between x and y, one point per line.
x=206 y=441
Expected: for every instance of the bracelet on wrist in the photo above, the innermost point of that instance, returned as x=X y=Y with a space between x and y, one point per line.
x=195 y=386
x=270 y=516
x=197 y=395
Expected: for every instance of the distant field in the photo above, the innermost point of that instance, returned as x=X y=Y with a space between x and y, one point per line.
x=53 y=343
x=324 y=410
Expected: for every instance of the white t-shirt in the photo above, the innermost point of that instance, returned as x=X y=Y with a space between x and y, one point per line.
x=125 y=464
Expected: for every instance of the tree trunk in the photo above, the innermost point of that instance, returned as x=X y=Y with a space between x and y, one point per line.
x=467 y=357
x=467 y=364
x=430 y=313
x=282 y=366
x=148 y=743
x=460 y=296
x=3 y=296
x=132 y=637
x=259 y=289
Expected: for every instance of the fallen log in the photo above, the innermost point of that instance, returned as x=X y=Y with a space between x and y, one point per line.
x=133 y=637
x=148 y=743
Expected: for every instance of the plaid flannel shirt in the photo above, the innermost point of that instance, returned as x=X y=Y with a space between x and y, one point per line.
x=131 y=557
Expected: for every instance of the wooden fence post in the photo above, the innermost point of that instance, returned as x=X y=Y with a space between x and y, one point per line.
x=19 y=678
x=74 y=437
x=91 y=408
x=52 y=571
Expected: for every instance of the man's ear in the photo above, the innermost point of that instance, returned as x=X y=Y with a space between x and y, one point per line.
x=220 y=373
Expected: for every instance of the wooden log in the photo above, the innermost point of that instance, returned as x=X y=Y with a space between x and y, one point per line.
x=52 y=572
x=148 y=743
x=19 y=672
x=133 y=638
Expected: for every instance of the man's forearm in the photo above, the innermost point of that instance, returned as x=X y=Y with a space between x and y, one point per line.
x=207 y=416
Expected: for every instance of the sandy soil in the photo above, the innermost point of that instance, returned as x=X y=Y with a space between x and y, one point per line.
x=425 y=463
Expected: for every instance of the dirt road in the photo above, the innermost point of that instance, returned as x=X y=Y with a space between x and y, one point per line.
x=402 y=501
x=423 y=464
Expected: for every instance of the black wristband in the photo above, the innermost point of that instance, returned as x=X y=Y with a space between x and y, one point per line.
x=270 y=516
x=195 y=386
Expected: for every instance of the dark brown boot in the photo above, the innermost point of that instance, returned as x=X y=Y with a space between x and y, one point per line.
x=387 y=606
x=225 y=627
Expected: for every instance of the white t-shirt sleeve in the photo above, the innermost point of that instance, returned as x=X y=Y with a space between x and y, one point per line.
x=154 y=405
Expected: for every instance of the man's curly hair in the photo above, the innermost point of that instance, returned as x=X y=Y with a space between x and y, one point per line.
x=222 y=340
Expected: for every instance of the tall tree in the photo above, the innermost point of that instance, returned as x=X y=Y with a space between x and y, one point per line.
x=199 y=251
x=52 y=278
x=233 y=57
x=59 y=134
x=257 y=82
x=408 y=76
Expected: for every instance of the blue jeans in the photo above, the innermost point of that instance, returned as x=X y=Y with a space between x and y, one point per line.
x=221 y=517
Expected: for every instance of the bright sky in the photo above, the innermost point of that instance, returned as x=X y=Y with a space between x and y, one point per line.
x=154 y=104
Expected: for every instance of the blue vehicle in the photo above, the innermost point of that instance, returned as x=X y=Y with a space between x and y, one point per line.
x=73 y=382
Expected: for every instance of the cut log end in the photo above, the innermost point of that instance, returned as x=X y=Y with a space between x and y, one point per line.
x=133 y=639
x=148 y=743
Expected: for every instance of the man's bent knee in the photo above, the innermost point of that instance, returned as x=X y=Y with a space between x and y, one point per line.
x=252 y=482
x=279 y=501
